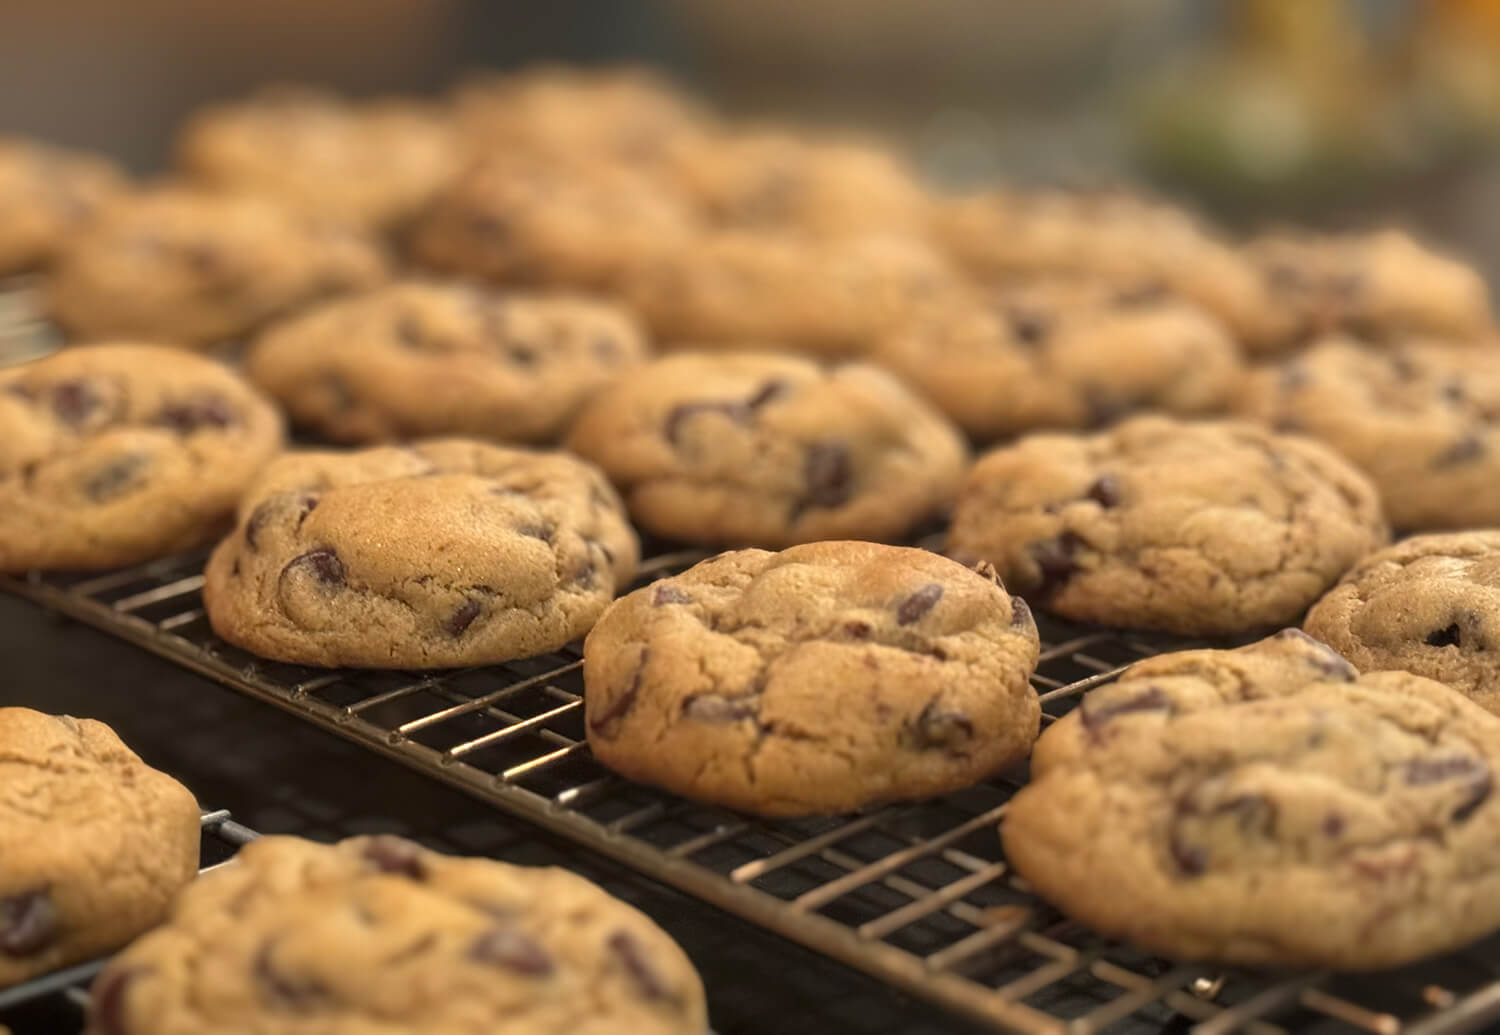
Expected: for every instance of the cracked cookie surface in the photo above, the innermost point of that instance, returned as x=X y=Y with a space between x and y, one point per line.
x=47 y=194
x=1056 y=354
x=378 y=936
x=439 y=554
x=1422 y=420
x=763 y=450
x=93 y=843
x=115 y=454
x=422 y=358
x=1429 y=605
x=1267 y=806
x=188 y=268
x=1214 y=528
x=821 y=679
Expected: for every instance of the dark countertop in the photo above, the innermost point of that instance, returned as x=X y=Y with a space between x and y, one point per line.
x=280 y=775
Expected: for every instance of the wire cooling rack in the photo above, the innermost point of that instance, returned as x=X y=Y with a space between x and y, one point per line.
x=222 y=837
x=916 y=895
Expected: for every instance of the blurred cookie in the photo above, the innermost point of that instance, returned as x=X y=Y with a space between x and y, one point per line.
x=371 y=165
x=1422 y=420
x=825 y=678
x=440 y=554
x=1211 y=529
x=422 y=358
x=745 y=448
x=1058 y=354
x=184 y=267
x=46 y=195
x=115 y=454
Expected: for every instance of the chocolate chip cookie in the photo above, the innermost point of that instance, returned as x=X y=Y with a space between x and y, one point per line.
x=376 y=934
x=1375 y=286
x=1422 y=420
x=1057 y=354
x=1111 y=235
x=822 y=679
x=372 y=165
x=524 y=220
x=752 y=449
x=47 y=194
x=93 y=843
x=1208 y=529
x=441 y=554
x=1428 y=605
x=422 y=358
x=115 y=454
x=1268 y=807
x=743 y=289
x=189 y=268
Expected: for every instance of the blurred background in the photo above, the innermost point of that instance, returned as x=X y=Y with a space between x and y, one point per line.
x=1330 y=112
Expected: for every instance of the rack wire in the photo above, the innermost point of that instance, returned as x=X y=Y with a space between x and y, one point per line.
x=917 y=895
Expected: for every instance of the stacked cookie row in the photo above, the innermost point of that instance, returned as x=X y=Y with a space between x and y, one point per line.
x=100 y=850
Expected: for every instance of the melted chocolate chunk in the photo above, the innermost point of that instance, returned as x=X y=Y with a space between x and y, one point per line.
x=460 y=620
x=627 y=948
x=666 y=593
x=1333 y=825
x=209 y=411
x=107 y=1001
x=1453 y=391
x=766 y=393
x=409 y=332
x=585 y=574
x=1448 y=636
x=1190 y=859
x=1029 y=326
x=735 y=411
x=1056 y=561
x=1093 y=714
x=264 y=512
x=390 y=854
x=1472 y=773
x=1105 y=491
x=75 y=401
x=323 y=563
x=504 y=946
x=542 y=532
x=717 y=708
x=1020 y=613
x=1466 y=449
x=919 y=603
x=936 y=728
x=286 y=991
x=28 y=923
x=1325 y=659
x=606 y=723
x=522 y=355
x=117 y=478
x=1255 y=813
x=1104 y=409
x=857 y=630
x=829 y=475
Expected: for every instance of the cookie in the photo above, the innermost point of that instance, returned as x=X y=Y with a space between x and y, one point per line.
x=822 y=679
x=190 y=268
x=1267 y=807
x=1429 y=605
x=1114 y=236
x=763 y=450
x=778 y=180
x=112 y=455
x=1211 y=529
x=378 y=935
x=93 y=843
x=441 y=554
x=46 y=195
x=1056 y=354
x=1375 y=286
x=523 y=220
x=372 y=165
x=418 y=358
x=1422 y=420
x=737 y=289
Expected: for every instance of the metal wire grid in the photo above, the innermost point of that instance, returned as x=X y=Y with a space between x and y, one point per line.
x=917 y=895
x=222 y=837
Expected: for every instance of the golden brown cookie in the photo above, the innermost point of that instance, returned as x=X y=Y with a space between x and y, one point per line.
x=46 y=195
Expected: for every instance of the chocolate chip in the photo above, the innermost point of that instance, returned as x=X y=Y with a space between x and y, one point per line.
x=323 y=563
x=1104 y=408
x=263 y=513
x=936 y=728
x=666 y=593
x=737 y=412
x=287 y=991
x=74 y=401
x=409 y=332
x=504 y=946
x=1029 y=326
x=628 y=949
x=607 y=722
x=390 y=854
x=1448 y=636
x=28 y=923
x=209 y=411
x=1288 y=425
x=1453 y=391
x=1056 y=561
x=117 y=478
x=717 y=708
x=829 y=475
x=584 y=574
x=521 y=355
x=1333 y=825
x=1324 y=658
x=1020 y=613
x=107 y=1001
x=766 y=393
x=857 y=630
x=1402 y=366
x=460 y=620
x=1255 y=813
x=1093 y=713
x=1105 y=491
x=542 y=532
x=204 y=259
x=1468 y=448
x=1473 y=773
x=919 y=603
x=1189 y=858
